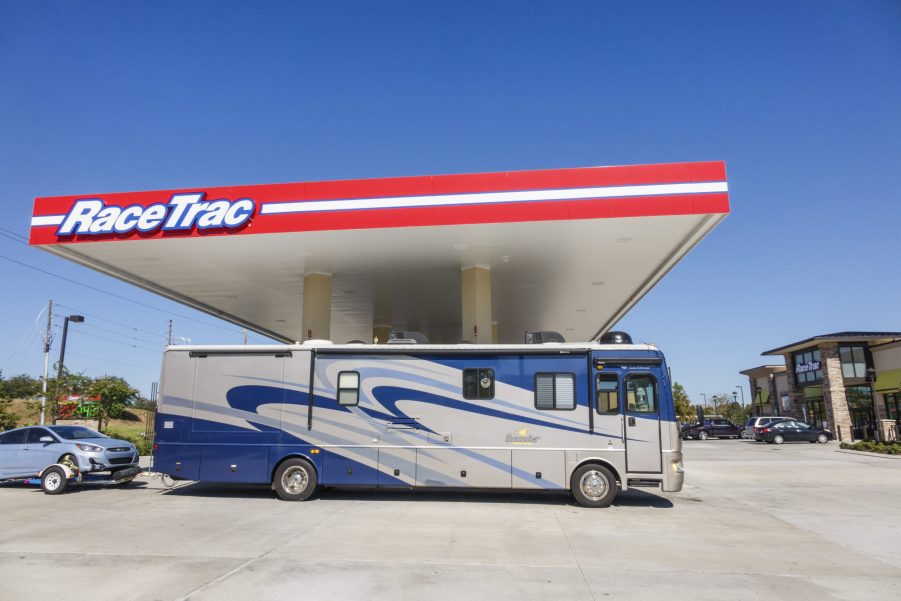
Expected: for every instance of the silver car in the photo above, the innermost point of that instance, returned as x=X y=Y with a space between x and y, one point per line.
x=754 y=423
x=25 y=452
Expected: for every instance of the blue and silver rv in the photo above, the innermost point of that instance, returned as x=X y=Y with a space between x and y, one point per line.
x=588 y=418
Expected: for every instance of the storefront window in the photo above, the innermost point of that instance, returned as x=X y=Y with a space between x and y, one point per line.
x=860 y=405
x=892 y=405
x=807 y=367
x=854 y=361
x=815 y=412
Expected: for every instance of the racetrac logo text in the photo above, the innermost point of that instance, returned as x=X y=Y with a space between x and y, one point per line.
x=93 y=217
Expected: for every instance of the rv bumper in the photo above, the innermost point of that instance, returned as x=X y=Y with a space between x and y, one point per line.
x=673 y=471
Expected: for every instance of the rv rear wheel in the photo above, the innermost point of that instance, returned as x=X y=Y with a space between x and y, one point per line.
x=593 y=485
x=295 y=480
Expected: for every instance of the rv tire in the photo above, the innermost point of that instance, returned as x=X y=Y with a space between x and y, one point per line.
x=593 y=485
x=295 y=480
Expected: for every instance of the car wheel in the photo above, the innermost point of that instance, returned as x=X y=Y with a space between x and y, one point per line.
x=778 y=439
x=702 y=435
x=295 y=480
x=54 y=480
x=822 y=438
x=70 y=462
x=593 y=485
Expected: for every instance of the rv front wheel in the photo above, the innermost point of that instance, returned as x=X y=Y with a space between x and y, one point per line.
x=295 y=480
x=593 y=485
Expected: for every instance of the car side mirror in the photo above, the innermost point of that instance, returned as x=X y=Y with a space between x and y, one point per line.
x=47 y=439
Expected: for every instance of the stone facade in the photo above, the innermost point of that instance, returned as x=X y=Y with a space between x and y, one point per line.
x=834 y=398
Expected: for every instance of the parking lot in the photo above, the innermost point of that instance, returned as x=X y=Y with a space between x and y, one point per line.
x=754 y=521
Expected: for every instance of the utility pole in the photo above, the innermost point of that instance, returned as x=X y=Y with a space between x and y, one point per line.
x=47 y=341
x=62 y=349
x=169 y=334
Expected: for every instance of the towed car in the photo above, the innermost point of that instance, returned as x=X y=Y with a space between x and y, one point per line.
x=25 y=452
x=790 y=430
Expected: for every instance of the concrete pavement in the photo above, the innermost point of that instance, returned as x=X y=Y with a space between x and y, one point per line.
x=754 y=521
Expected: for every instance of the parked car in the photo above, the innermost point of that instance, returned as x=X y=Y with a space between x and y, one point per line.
x=712 y=428
x=790 y=430
x=755 y=423
x=24 y=452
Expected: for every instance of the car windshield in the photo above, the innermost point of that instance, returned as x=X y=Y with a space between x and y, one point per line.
x=76 y=432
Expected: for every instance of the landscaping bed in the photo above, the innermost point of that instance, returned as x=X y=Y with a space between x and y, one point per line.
x=872 y=446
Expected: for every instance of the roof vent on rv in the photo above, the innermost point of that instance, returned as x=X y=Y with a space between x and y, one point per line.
x=540 y=337
x=406 y=337
x=615 y=338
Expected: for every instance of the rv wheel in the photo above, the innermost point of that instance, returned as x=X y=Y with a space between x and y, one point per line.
x=593 y=485
x=295 y=480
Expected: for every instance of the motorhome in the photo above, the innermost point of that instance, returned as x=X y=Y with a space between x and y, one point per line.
x=593 y=419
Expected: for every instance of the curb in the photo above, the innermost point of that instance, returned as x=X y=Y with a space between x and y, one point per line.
x=868 y=454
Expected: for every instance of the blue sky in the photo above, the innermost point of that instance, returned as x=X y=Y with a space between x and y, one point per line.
x=801 y=99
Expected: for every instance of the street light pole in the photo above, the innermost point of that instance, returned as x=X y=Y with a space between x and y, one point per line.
x=62 y=352
x=742 y=391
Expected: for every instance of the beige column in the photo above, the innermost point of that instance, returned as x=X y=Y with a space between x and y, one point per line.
x=837 y=412
x=381 y=332
x=475 y=296
x=317 y=306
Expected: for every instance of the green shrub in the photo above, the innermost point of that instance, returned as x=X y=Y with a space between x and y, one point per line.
x=144 y=446
x=872 y=446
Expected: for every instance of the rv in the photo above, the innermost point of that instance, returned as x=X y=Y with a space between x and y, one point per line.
x=588 y=418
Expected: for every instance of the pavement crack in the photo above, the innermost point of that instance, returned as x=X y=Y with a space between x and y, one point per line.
x=255 y=559
x=575 y=557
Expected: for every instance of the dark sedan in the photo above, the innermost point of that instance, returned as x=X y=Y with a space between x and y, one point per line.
x=712 y=428
x=790 y=430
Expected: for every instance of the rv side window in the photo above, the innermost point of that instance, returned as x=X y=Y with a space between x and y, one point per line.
x=348 y=388
x=608 y=394
x=555 y=391
x=641 y=393
x=478 y=383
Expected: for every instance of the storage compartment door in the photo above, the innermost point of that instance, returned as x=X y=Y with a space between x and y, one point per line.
x=535 y=468
x=457 y=467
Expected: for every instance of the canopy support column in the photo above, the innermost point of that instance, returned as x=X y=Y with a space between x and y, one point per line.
x=317 y=306
x=475 y=293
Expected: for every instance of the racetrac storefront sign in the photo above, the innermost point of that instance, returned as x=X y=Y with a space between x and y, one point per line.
x=93 y=217
x=475 y=198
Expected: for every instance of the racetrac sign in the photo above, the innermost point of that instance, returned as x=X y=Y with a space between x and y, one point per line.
x=93 y=217
x=399 y=202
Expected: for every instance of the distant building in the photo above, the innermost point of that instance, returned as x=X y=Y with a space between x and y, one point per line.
x=848 y=381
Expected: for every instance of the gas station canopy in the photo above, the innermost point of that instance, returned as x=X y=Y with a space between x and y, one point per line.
x=481 y=257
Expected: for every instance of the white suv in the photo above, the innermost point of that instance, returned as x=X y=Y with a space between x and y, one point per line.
x=757 y=422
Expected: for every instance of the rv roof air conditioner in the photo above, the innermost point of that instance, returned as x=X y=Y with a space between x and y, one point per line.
x=615 y=338
x=406 y=337
x=542 y=336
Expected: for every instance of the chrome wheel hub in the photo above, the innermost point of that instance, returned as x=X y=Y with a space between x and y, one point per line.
x=594 y=485
x=295 y=480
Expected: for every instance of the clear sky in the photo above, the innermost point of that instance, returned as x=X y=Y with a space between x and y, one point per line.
x=801 y=99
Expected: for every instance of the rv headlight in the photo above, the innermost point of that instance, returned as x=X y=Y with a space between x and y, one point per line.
x=89 y=448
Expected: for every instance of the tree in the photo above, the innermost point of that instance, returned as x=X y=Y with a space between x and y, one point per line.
x=684 y=410
x=8 y=419
x=19 y=387
x=69 y=384
x=113 y=394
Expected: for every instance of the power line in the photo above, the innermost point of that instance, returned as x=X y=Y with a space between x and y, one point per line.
x=119 y=296
x=107 y=319
x=16 y=234
x=154 y=367
x=14 y=239
x=136 y=346
x=114 y=332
